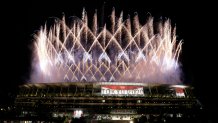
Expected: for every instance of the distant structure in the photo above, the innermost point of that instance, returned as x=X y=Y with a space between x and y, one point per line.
x=107 y=101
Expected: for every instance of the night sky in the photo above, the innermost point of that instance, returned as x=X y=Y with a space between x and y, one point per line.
x=194 y=22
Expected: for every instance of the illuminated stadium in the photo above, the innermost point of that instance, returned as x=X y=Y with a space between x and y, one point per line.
x=108 y=101
x=127 y=72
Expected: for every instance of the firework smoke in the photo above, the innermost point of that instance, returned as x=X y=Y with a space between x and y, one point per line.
x=127 y=51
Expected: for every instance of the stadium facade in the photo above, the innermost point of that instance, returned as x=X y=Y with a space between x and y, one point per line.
x=107 y=101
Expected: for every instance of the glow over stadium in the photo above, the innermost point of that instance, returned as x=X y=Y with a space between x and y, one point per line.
x=125 y=51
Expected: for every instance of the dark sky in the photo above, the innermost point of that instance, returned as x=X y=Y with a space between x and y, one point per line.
x=194 y=21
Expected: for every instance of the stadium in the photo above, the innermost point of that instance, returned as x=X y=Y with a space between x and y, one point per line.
x=107 y=102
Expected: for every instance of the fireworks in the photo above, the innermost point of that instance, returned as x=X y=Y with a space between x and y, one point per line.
x=124 y=51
